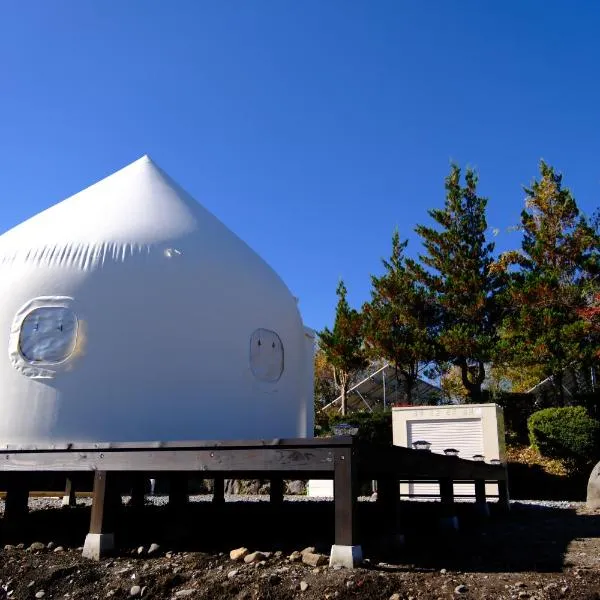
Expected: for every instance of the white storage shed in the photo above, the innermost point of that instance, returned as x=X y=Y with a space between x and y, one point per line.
x=472 y=429
x=131 y=313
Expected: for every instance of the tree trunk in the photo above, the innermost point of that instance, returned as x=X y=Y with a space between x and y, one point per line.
x=344 y=393
x=409 y=384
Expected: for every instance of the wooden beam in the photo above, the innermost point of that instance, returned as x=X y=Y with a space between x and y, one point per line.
x=17 y=499
x=138 y=491
x=178 y=491
x=69 y=499
x=219 y=490
x=447 y=495
x=276 y=491
x=345 y=498
x=503 y=497
x=152 y=460
x=105 y=503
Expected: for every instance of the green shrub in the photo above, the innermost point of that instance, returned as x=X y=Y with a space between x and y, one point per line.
x=567 y=433
x=373 y=427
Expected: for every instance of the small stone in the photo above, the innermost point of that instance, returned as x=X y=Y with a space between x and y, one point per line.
x=135 y=590
x=184 y=593
x=58 y=549
x=232 y=574
x=295 y=556
x=238 y=554
x=309 y=550
x=443 y=571
x=50 y=545
x=278 y=554
x=254 y=557
x=349 y=583
x=9 y=547
x=564 y=589
x=154 y=548
x=36 y=547
x=140 y=550
x=461 y=589
x=316 y=571
x=21 y=546
x=314 y=560
x=395 y=596
x=304 y=587
x=169 y=555
x=40 y=594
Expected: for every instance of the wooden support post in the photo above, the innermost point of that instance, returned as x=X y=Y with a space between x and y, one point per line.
x=105 y=500
x=138 y=491
x=448 y=519
x=276 y=493
x=388 y=498
x=178 y=491
x=69 y=499
x=16 y=501
x=346 y=552
x=219 y=490
x=503 y=497
x=481 y=505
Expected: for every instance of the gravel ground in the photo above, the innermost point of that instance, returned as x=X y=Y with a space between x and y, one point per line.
x=542 y=551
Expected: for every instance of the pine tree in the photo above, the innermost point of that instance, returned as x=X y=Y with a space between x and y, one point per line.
x=557 y=263
x=399 y=320
x=456 y=269
x=343 y=346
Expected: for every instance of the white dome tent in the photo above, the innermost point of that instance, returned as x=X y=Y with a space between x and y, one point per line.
x=133 y=314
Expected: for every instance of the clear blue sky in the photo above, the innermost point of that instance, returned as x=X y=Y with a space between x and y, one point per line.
x=312 y=128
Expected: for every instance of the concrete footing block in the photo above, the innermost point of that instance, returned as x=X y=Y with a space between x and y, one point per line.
x=345 y=556
x=98 y=545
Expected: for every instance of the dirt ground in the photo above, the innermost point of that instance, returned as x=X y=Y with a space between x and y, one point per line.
x=535 y=552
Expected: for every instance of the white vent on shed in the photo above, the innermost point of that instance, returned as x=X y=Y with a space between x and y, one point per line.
x=466 y=435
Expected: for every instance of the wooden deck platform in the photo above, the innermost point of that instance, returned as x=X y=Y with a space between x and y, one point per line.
x=343 y=459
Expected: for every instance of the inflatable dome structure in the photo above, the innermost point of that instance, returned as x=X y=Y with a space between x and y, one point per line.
x=133 y=314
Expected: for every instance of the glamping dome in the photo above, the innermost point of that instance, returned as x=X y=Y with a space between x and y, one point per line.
x=131 y=314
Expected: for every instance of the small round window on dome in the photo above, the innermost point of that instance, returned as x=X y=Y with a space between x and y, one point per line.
x=48 y=335
x=266 y=355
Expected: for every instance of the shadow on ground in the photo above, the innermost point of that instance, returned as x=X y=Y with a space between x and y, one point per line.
x=530 y=538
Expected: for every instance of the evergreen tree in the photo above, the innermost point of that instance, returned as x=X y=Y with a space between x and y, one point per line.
x=557 y=264
x=456 y=269
x=399 y=320
x=343 y=347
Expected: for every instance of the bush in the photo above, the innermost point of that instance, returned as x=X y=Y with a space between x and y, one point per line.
x=375 y=428
x=568 y=433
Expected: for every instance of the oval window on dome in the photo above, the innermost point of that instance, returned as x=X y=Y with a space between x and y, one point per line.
x=48 y=335
x=266 y=355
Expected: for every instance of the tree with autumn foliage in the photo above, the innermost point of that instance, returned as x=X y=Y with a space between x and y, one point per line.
x=343 y=346
x=550 y=274
x=455 y=268
x=400 y=319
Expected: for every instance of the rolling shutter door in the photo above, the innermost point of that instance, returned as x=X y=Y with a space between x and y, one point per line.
x=466 y=435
